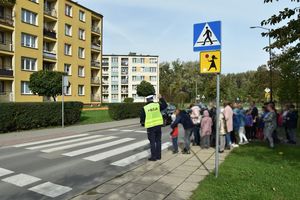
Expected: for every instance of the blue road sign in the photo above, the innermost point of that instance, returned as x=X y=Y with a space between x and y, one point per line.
x=207 y=36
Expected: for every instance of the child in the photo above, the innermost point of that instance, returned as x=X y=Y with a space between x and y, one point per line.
x=206 y=129
x=291 y=124
x=223 y=131
x=174 y=135
x=248 y=123
x=242 y=136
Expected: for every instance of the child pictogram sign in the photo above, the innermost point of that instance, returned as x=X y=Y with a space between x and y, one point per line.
x=210 y=62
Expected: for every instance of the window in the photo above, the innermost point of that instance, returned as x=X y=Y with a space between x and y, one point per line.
x=82 y=16
x=29 y=17
x=28 y=40
x=133 y=69
x=152 y=69
x=81 y=52
x=80 y=90
x=134 y=87
x=114 y=87
x=153 y=60
x=67 y=69
x=138 y=78
x=2 y=37
x=28 y=64
x=142 y=60
x=114 y=69
x=68 y=90
x=114 y=78
x=25 y=87
x=152 y=78
x=134 y=60
x=114 y=59
x=81 y=34
x=68 y=10
x=35 y=1
x=114 y=96
x=81 y=71
x=68 y=49
x=68 y=30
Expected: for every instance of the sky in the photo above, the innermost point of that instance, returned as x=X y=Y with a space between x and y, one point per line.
x=165 y=28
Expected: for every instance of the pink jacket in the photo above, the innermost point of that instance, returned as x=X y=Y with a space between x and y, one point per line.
x=206 y=124
x=228 y=113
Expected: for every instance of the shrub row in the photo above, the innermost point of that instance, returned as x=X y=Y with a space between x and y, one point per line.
x=24 y=116
x=119 y=111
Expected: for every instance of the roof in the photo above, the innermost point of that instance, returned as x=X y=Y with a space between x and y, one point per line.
x=92 y=11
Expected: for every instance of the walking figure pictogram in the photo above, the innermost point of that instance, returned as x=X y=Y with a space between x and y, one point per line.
x=208 y=35
x=213 y=64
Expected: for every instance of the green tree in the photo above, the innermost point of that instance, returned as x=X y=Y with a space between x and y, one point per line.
x=145 y=89
x=7 y=2
x=46 y=83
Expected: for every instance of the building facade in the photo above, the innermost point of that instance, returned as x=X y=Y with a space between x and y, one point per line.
x=122 y=73
x=56 y=35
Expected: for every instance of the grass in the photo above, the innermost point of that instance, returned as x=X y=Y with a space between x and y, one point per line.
x=94 y=116
x=255 y=172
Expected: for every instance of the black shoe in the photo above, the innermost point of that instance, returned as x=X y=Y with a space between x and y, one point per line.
x=175 y=152
x=152 y=159
x=158 y=158
x=221 y=151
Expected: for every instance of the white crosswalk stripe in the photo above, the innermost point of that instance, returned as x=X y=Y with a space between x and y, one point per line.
x=4 y=172
x=50 y=140
x=107 y=154
x=21 y=180
x=97 y=147
x=50 y=189
x=140 y=131
x=131 y=159
x=77 y=144
x=64 y=142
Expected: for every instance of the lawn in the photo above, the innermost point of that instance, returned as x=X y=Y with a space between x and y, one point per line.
x=94 y=116
x=255 y=172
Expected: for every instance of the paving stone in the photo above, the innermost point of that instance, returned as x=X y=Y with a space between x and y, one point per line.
x=193 y=163
x=118 y=196
x=171 y=180
x=179 y=195
x=133 y=188
x=201 y=172
x=161 y=188
x=146 y=195
x=188 y=186
x=195 y=178
x=146 y=180
x=187 y=168
x=88 y=197
x=106 y=188
x=121 y=180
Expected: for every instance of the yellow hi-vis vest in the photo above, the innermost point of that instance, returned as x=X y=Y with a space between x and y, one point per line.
x=153 y=115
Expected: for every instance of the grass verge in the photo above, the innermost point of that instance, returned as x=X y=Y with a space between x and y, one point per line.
x=94 y=116
x=255 y=172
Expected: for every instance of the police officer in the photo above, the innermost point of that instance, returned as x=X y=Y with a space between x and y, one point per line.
x=152 y=119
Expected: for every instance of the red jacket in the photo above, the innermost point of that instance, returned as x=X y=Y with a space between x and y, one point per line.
x=175 y=132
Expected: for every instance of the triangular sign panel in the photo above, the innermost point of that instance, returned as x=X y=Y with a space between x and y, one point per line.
x=207 y=38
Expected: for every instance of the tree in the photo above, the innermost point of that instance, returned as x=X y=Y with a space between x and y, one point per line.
x=145 y=89
x=7 y=2
x=46 y=83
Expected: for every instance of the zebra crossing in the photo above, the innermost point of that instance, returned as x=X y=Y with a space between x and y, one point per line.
x=95 y=147
x=23 y=180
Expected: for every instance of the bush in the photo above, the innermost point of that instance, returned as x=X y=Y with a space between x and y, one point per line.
x=128 y=100
x=119 y=111
x=24 y=116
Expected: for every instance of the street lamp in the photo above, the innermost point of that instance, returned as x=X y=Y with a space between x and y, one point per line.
x=270 y=57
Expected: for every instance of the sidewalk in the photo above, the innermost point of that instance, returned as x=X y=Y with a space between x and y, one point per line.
x=49 y=133
x=175 y=177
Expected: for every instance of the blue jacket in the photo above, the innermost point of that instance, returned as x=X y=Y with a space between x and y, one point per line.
x=291 y=120
x=184 y=119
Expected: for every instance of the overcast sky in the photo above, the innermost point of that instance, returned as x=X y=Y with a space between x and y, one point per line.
x=165 y=28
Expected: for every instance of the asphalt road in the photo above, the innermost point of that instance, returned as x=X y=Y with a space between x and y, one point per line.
x=63 y=167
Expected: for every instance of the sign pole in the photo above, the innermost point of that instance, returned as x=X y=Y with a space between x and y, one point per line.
x=217 y=127
x=62 y=103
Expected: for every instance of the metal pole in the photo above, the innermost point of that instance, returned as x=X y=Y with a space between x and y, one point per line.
x=217 y=127
x=271 y=68
x=62 y=103
x=196 y=90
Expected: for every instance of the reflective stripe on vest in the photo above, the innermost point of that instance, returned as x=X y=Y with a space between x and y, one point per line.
x=153 y=115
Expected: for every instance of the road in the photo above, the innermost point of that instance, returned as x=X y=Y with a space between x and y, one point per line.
x=62 y=167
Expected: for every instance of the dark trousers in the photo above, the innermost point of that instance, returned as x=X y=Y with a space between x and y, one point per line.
x=248 y=132
x=196 y=133
x=154 y=136
x=175 y=144
x=253 y=131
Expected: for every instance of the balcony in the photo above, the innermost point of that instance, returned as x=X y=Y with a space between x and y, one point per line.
x=95 y=80
x=96 y=63
x=8 y=72
x=105 y=72
x=50 y=12
x=96 y=46
x=115 y=91
x=6 y=45
x=105 y=82
x=6 y=96
x=124 y=72
x=124 y=81
x=105 y=64
x=50 y=33
x=49 y=54
x=124 y=63
x=96 y=29
x=124 y=91
x=7 y=20
x=95 y=98
x=105 y=91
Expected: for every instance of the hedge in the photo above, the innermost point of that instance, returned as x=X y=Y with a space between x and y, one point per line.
x=119 y=111
x=24 y=116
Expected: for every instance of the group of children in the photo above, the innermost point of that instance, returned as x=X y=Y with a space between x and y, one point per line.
x=237 y=126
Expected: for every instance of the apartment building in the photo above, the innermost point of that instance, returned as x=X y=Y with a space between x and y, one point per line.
x=58 y=35
x=122 y=73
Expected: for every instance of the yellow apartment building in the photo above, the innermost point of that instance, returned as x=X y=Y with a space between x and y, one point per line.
x=58 y=35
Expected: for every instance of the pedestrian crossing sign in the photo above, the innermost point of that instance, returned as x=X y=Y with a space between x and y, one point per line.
x=210 y=62
x=207 y=36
